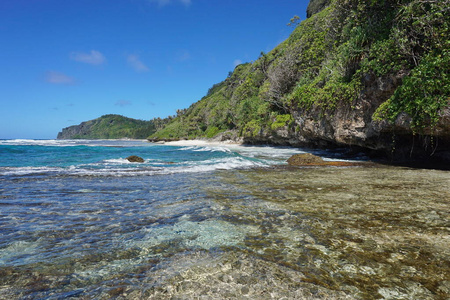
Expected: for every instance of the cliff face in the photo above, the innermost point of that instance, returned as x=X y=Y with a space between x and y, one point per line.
x=353 y=125
x=109 y=127
x=372 y=74
x=74 y=131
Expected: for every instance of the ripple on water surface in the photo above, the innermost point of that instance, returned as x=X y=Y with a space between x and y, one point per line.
x=326 y=232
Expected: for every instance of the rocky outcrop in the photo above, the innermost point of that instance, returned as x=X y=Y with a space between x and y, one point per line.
x=308 y=159
x=352 y=125
x=304 y=159
x=80 y=130
x=134 y=158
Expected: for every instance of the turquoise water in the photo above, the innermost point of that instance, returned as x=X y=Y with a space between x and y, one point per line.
x=77 y=220
x=76 y=215
x=108 y=158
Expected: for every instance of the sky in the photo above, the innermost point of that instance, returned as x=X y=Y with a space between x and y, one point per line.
x=65 y=62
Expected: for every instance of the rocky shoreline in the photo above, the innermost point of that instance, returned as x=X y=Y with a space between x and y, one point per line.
x=440 y=161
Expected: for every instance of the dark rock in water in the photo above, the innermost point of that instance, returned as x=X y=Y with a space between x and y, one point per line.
x=162 y=140
x=304 y=159
x=134 y=158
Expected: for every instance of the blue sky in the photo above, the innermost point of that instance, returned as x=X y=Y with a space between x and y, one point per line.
x=65 y=62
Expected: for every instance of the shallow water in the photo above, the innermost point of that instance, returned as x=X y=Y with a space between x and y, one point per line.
x=363 y=232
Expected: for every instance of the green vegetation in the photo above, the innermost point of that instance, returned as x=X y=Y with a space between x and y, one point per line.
x=315 y=6
x=281 y=121
x=423 y=93
x=422 y=38
x=109 y=127
x=323 y=66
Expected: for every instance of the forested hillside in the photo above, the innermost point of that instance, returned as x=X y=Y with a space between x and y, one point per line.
x=374 y=74
x=109 y=127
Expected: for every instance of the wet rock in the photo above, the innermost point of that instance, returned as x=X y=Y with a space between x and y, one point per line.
x=308 y=159
x=304 y=159
x=134 y=158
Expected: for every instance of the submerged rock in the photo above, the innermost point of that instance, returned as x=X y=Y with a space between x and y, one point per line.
x=134 y=158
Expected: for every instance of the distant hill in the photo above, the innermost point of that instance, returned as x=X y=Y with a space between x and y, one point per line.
x=109 y=127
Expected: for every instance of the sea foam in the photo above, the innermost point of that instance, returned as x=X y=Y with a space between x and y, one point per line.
x=107 y=158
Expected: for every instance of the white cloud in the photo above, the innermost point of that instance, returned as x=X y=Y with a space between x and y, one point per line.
x=123 y=103
x=134 y=62
x=55 y=77
x=162 y=3
x=237 y=62
x=94 y=57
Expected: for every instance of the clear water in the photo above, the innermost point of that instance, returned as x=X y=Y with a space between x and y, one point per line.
x=78 y=220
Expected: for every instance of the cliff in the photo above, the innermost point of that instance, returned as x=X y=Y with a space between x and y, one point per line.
x=370 y=74
x=109 y=127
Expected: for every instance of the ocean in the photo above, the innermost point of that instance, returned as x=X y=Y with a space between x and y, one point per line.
x=77 y=220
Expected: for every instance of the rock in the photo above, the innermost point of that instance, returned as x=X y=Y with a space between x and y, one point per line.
x=162 y=140
x=308 y=159
x=304 y=159
x=134 y=158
